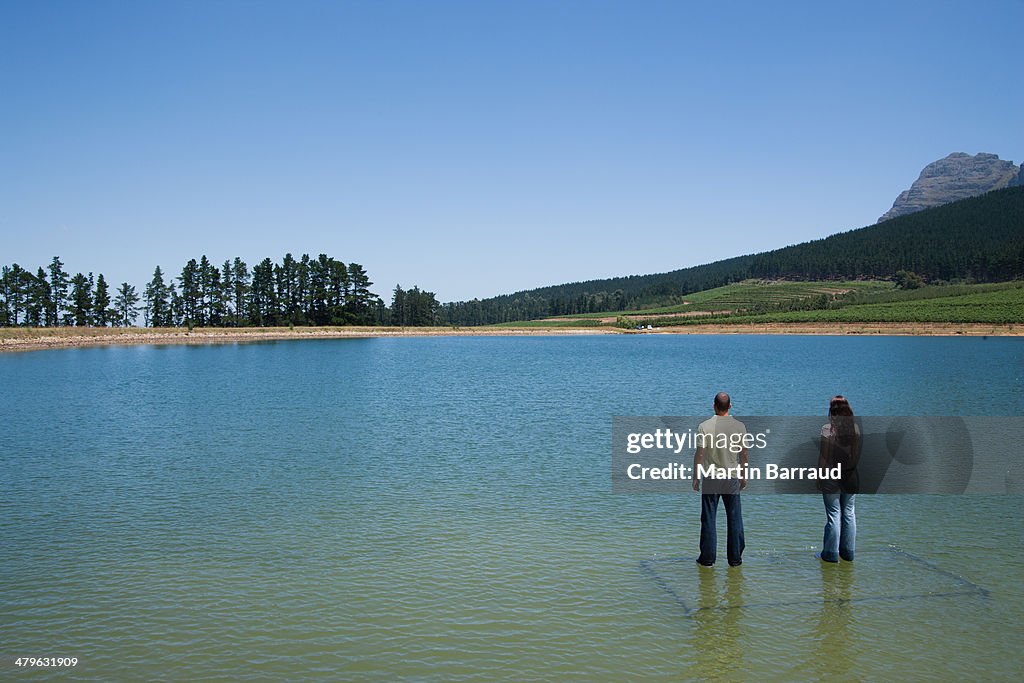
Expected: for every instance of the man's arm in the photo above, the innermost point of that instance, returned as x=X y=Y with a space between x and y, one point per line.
x=744 y=460
x=698 y=459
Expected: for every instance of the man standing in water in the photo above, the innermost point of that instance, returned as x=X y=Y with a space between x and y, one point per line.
x=721 y=444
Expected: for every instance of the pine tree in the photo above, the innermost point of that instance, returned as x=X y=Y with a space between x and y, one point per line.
x=191 y=295
x=212 y=291
x=59 y=283
x=157 y=311
x=338 y=285
x=240 y=279
x=360 y=297
x=14 y=279
x=29 y=288
x=226 y=294
x=177 y=307
x=125 y=305
x=302 y=284
x=263 y=299
x=398 y=312
x=103 y=314
x=81 y=300
x=39 y=299
x=5 y=293
x=209 y=281
x=319 y=275
x=288 y=289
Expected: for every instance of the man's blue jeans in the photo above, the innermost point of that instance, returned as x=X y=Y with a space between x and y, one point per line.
x=840 y=527
x=708 y=533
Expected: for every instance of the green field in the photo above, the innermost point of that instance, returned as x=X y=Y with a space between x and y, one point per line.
x=557 y=323
x=999 y=304
x=752 y=295
x=822 y=302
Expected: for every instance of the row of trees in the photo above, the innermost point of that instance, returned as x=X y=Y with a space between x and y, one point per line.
x=53 y=298
x=305 y=291
x=414 y=307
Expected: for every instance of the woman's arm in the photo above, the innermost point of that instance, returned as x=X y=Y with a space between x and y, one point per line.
x=823 y=457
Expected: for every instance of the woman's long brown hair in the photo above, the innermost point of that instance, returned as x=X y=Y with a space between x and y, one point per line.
x=841 y=416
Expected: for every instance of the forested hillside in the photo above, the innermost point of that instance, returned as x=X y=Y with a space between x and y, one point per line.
x=596 y=295
x=980 y=239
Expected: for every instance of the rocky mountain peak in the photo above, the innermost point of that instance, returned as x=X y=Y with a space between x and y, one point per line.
x=954 y=177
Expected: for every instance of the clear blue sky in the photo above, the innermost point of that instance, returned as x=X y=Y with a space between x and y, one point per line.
x=476 y=148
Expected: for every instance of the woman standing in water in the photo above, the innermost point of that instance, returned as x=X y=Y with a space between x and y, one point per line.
x=840 y=445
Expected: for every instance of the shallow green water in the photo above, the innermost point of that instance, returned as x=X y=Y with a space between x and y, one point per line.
x=441 y=509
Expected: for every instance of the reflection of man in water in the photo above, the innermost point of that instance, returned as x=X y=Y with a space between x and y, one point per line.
x=719 y=636
x=720 y=443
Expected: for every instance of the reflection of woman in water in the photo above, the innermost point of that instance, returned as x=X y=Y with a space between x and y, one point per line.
x=840 y=445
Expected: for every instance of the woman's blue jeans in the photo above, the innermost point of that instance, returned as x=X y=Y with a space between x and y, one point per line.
x=840 y=527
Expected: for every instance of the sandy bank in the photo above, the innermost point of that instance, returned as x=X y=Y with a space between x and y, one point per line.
x=30 y=339
x=843 y=329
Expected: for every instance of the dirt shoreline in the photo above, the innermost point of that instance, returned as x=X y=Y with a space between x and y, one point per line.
x=34 y=339
x=13 y=339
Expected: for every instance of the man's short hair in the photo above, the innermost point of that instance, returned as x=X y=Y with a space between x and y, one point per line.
x=722 y=402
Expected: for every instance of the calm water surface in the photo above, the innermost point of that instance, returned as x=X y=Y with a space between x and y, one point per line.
x=440 y=509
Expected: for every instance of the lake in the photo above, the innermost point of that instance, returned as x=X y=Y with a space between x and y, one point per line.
x=440 y=509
